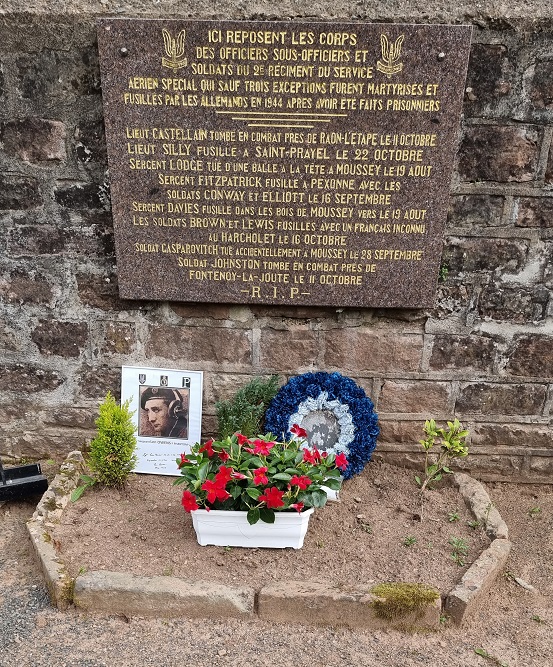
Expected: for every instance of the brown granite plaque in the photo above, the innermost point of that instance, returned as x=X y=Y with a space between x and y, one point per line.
x=278 y=162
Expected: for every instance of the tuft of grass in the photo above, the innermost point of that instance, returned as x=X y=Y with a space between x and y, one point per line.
x=453 y=516
x=409 y=541
x=534 y=512
x=460 y=550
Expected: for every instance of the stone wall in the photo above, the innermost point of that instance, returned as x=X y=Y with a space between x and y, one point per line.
x=483 y=354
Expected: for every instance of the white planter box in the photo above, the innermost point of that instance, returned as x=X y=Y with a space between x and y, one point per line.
x=232 y=529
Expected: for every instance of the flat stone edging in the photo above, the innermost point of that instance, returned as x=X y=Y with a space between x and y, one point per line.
x=290 y=602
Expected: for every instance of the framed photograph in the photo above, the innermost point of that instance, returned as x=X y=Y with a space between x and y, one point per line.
x=167 y=407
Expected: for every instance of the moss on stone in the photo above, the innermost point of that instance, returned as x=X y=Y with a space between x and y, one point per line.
x=398 y=599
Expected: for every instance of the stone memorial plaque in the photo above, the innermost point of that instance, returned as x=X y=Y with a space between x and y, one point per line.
x=279 y=162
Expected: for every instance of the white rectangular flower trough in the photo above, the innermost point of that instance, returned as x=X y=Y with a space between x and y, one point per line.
x=231 y=529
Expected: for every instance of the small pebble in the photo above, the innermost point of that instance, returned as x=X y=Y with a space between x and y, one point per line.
x=357 y=500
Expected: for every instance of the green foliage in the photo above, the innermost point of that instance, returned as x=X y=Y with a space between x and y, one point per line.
x=112 y=452
x=409 y=541
x=399 y=599
x=258 y=476
x=534 y=512
x=246 y=411
x=460 y=550
x=451 y=441
x=453 y=516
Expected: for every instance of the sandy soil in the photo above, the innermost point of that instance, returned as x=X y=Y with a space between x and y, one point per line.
x=374 y=533
x=513 y=626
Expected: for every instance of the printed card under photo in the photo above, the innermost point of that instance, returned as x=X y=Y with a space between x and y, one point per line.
x=167 y=407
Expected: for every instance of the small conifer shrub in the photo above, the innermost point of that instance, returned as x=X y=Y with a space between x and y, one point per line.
x=112 y=452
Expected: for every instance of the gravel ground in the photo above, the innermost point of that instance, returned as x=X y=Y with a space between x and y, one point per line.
x=513 y=626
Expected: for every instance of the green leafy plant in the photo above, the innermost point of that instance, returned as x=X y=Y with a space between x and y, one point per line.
x=474 y=524
x=453 y=516
x=534 y=512
x=245 y=412
x=460 y=550
x=258 y=475
x=451 y=441
x=409 y=541
x=112 y=452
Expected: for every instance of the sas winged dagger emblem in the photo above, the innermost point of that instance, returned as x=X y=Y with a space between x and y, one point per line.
x=174 y=50
x=390 y=56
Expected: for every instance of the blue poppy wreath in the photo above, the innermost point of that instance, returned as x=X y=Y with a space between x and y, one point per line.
x=332 y=392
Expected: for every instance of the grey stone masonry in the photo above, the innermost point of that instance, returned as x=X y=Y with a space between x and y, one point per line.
x=483 y=353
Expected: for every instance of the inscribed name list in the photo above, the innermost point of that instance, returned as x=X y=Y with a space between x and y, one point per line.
x=281 y=163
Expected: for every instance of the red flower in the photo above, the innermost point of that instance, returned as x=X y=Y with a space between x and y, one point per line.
x=272 y=497
x=223 y=476
x=298 y=431
x=309 y=456
x=208 y=448
x=183 y=460
x=303 y=481
x=189 y=501
x=215 y=490
x=341 y=461
x=242 y=439
x=261 y=447
x=297 y=506
x=223 y=455
x=259 y=476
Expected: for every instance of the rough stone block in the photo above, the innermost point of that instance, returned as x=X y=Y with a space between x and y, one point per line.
x=320 y=604
x=63 y=339
x=37 y=240
x=79 y=196
x=216 y=345
x=25 y=288
x=531 y=436
x=25 y=378
x=89 y=146
x=48 y=77
x=532 y=356
x=541 y=88
x=475 y=211
x=501 y=399
x=68 y=416
x=222 y=386
x=19 y=192
x=95 y=382
x=403 y=432
x=43 y=445
x=477 y=581
x=34 y=140
x=502 y=154
x=481 y=505
x=166 y=597
x=549 y=168
x=452 y=299
x=489 y=79
x=101 y=292
x=119 y=338
x=428 y=398
x=289 y=349
x=514 y=304
x=534 y=212
x=359 y=349
x=451 y=351
x=470 y=255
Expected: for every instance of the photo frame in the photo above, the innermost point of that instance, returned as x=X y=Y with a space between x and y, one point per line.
x=167 y=406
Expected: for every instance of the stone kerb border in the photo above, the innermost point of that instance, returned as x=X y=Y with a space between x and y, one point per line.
x=292 y=602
